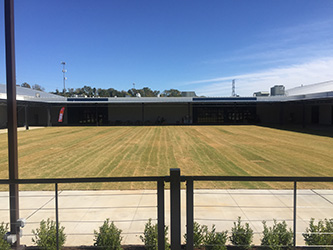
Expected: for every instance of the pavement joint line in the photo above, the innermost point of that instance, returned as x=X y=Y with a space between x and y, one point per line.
x=241 y=209
x=322 y=196
x=53 y=197
x=135 y=212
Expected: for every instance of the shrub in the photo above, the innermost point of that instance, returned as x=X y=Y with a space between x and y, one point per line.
x=241 y=236
x=46 y=235
x=199 y=232
x=277 y=237
x=211 y=240
x=215 y=240
x=3 y=243
x=108 y=237
x=321 y=234
x=150 y=236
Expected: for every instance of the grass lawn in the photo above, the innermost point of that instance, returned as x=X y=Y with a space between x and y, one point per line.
x=151 y=151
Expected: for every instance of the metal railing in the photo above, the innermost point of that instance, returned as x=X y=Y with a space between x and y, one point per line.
x=175 y=179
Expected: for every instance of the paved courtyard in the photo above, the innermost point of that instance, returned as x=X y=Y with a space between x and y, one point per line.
x=82 y=212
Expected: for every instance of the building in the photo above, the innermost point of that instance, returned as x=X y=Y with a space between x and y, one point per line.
x=36 y=108
x=278 y=90
x=261 y=93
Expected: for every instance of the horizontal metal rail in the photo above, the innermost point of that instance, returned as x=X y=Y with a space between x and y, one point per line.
x=259 y=178
x=84 y=180
x=167 y=179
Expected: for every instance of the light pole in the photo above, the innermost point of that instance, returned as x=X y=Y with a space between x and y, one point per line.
x=64 y=75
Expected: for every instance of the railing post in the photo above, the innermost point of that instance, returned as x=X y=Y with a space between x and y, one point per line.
x=175 y=208
x=189 y=214
x=295 y=199
x=57 y=215
x=160 y=214
x=12 y=120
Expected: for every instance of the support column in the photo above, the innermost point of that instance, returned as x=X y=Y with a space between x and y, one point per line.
x=294 y=214
x=12 y=120
x=143 y=113
x=281 y=114
x=26 y=117
x=189 y=214
x=303 y=115
x=175 y=208
x=48 y=116
x=160 y=215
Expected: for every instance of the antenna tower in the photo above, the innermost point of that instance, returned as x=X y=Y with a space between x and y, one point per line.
x=233 y=93
x=64 y=75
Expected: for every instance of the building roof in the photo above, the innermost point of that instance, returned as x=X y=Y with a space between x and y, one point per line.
x=311 y=88
x=26 y=93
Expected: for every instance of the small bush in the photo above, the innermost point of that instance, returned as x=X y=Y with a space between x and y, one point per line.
x=241 y=236
x=3 y=243
x=215 y=240
x=210 y=240
x=199 y=232
x=46 y=235
x=321 y=234
x=108 y=237
x=277 y=237
x=150 y=236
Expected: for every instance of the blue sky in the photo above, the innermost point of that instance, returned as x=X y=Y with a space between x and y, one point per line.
x=187 y=45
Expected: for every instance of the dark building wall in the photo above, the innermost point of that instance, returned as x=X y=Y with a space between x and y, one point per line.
x=280 y=113
x=125 y=113
x=147 y=113
x=325 y=114
x=293 y=113
x=269 y=113
x=166 y=113
x=37 y=116
x=224 y=113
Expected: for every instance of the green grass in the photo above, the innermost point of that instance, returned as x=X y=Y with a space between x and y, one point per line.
x=56 y=152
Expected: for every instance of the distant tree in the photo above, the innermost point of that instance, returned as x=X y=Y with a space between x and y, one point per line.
x=37 y=87
x=123 y=93
x=102 y=92
x=26 y=85
x=171 y=93
x=147 y=92
x=70 y=92
x=132 y=92
x=88 y=91
x=111 y=92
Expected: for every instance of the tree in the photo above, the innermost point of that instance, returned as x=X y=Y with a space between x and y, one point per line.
x=37 y=87
x=26 y=85
x=172 y=93
x=147 y=92
x=87 y=90
x=102 y=92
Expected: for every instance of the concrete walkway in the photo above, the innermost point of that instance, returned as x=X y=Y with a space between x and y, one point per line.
x=4 y=130
x=82 y=212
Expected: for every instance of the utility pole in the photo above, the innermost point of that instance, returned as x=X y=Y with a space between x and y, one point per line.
x=12 y=123
x=233 y=93
x=64 y=75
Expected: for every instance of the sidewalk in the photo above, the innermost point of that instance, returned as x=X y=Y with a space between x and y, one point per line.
x=4 y=130
x=82 y=212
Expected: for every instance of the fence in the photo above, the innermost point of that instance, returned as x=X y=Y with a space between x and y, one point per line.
x=175 y=179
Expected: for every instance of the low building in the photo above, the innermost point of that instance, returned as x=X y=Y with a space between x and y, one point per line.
x=44 y=109
x=261 y=93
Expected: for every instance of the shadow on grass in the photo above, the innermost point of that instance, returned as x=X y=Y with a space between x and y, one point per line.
x=320 y=130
